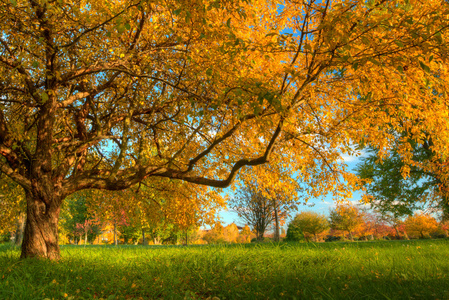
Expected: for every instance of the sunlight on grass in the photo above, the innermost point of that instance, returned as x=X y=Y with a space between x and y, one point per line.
x=372 y=270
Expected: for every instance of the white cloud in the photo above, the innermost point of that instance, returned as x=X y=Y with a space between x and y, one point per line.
x=346 y=158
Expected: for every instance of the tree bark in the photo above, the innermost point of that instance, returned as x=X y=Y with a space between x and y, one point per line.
x=406 y=235
x=397 y=232
x=41 y=229
x=143 y=237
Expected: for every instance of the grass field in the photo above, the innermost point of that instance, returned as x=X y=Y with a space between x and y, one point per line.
x=364 y=270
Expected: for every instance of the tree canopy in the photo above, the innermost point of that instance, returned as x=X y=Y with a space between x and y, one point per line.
x=421 y=225
x=389 y=192
x=346 y=217
x=307 y=224
x=105 y=94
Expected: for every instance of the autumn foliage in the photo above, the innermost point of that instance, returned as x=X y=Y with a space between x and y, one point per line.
x=421 y=225
x=107 y=94
x=346 y=217
x=307 y=225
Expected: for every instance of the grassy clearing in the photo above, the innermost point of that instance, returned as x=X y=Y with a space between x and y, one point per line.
x=365 y=270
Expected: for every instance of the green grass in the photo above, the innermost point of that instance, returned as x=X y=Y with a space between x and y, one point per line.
x=364 y=270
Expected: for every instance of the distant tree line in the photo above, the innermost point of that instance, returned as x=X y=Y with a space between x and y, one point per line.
x=348 y=222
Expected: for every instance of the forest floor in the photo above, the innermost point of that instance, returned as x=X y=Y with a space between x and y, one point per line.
x=417 y=269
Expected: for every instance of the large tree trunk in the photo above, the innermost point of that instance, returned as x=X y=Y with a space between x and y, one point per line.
x=41 y=230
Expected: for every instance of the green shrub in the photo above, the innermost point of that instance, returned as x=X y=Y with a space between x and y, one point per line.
x=294 y=233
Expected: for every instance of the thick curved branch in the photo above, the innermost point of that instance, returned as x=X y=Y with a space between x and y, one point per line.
x=24 y=182
x=102 y=179
x=237 y=166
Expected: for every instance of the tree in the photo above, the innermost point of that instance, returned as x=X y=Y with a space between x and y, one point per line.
x=346 y=217
x=394 y=221
x=78 y=220
x=294 y=233
x=256 y=209
x=231 y=233
x=421 y=224
x=83 y=229
x=275 y=193
x=444 y=227
x=391 y=192
x=308 y=224
x=104 y=95
x=376 y=227
x=245 y=235
x=215 y=235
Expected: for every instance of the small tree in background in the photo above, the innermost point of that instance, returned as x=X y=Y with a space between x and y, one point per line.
x=83 y=229
x=245 y=235
x=308 y=224
x=129 y=232
x=265 y=198
x=375 y=227
x=231 y=233
x=421 y=224
x=215 y=235
x=254 y=209
x=294 y=233
x=395 y=222
x=444 y=227
x=78 y=223
x=346 y=217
